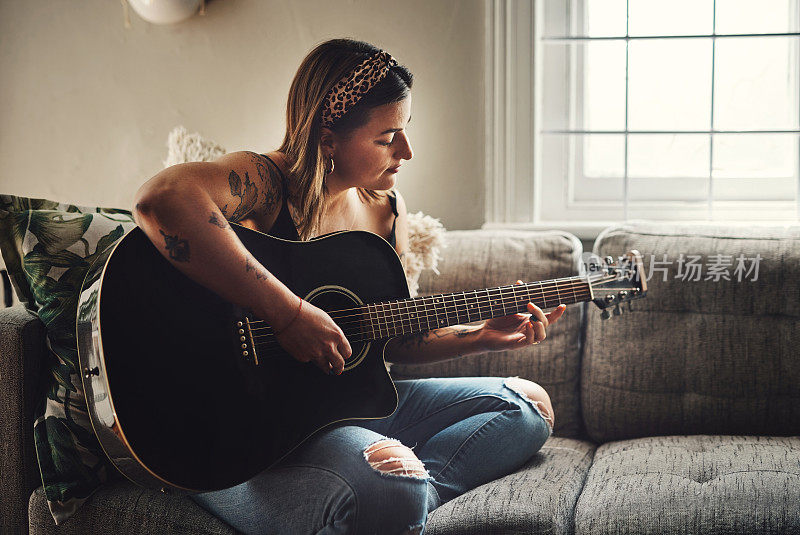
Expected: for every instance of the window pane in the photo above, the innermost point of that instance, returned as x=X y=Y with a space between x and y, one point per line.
x=670 y=85
x=763 y=16
x=565 y=160
x=755 y=156
x=600 y=18
x=668 y=155
x=604 y=86
x=605 y=18
x=603 y=155
x=588 y=96
x=675 y=17
x=755 y=85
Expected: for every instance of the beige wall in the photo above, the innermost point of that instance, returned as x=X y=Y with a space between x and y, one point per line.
x=86 y=105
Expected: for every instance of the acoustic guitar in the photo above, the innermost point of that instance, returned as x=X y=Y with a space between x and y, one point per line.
x=188 y=392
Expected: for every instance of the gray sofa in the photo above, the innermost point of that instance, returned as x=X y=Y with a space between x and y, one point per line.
x=681 y=416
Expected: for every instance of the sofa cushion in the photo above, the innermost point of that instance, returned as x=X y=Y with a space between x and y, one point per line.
x=540 y=497
x=692 y=484
x=122 y=507
x=711 y=351
x=48 y=247
x=473 y=259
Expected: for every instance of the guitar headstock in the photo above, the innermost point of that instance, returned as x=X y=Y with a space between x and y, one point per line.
x=614 y=282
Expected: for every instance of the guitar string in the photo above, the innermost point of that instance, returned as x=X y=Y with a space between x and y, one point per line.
x=265 y=341
x=384 y=319
x=267 y=347
x=395 y=329
x=448 y=304
x=454 y=300
x=353 y=336
x=549 y=286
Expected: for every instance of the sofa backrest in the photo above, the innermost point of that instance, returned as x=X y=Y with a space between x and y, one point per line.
x=475 y=259
x=706 y=356
x=22 y=360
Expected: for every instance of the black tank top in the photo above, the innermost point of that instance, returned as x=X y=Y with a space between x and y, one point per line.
x=284 y=226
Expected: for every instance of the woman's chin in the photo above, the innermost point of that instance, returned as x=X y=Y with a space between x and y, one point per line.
x=387 y=181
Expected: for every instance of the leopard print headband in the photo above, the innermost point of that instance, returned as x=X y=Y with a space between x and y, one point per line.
x=349 y=90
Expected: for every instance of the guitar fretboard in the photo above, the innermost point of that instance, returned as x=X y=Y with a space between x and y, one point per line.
x=420 y=314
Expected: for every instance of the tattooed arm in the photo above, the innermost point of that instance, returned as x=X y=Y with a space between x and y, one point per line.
x=185 y=209
x=439 y=344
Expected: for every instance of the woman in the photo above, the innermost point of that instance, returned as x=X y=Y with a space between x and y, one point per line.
x=346 y=138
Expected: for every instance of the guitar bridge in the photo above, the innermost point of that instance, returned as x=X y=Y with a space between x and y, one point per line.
x=246 y=338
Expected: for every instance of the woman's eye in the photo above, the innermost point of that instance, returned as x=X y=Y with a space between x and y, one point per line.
x=386 y=144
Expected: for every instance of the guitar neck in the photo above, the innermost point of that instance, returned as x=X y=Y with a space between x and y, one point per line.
x=420 y=314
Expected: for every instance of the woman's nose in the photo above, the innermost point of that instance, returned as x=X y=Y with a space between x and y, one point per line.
x=404 y=149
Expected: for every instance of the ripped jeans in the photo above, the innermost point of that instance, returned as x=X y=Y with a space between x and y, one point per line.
x=467 y=431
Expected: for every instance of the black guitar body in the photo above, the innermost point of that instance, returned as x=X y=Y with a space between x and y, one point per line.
x=174 y=399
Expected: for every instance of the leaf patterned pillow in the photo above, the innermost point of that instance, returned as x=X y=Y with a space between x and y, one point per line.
x=48 y=247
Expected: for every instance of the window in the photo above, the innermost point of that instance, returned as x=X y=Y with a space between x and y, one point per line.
x=681 y=110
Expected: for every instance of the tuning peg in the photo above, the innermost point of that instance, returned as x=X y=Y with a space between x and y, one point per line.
x=605 y=314
x=617 y=310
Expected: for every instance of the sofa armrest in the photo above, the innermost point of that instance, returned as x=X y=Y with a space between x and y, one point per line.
x=22 y=354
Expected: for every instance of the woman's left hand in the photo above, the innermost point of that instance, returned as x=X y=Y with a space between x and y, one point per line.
x=518 y=330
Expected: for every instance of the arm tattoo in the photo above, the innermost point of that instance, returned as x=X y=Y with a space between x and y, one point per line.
x=461 y=333
x=247 y=193
x=260 y=275
x=214 y=220
x=417 y=340
x=271 y=182
x=178 y=248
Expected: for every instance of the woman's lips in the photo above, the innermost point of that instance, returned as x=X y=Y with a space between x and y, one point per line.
x=394 y=169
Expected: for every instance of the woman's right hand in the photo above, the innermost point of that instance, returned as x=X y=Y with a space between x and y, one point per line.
x=314 y=336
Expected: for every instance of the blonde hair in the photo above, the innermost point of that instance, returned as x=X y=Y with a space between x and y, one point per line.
x=319 y=71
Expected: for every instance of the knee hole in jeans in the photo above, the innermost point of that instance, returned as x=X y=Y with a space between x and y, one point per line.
x=390 y=456
x=535 y=394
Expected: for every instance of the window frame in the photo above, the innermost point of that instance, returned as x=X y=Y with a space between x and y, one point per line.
x=517 y=196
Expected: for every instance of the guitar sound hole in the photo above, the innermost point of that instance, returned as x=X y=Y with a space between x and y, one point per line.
x=342 y=305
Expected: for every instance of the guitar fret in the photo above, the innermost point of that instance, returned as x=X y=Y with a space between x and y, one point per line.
x=455 y=309
x=390 y=319
x=558 y=292
x=383 y=320
x=368 y=320
x=399 y=318
x=373 y=319
x=475 y=306
x=502 y=302
x=436 y=312
x=427 y=314
x=386 y=320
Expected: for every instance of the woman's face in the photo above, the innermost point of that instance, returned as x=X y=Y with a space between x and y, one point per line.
x=365 y=159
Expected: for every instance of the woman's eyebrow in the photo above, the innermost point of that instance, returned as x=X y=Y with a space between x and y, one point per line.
x=394 y=129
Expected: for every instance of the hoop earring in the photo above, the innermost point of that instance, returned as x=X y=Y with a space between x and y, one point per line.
x=332 y=167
